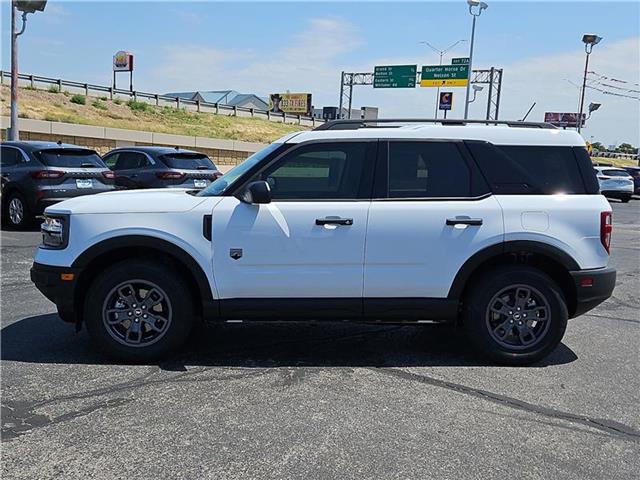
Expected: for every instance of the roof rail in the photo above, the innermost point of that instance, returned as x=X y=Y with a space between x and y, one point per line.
x=356 y=124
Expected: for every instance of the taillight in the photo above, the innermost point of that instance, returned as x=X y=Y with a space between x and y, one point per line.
x=109 y=174
x=606 y=227
x=40 y=174
x=170 y=175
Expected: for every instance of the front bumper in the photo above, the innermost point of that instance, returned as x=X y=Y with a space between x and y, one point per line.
x=49 y=280
x=592 y=288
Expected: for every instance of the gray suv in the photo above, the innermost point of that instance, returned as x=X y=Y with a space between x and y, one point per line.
x=38 y=174
x=161 y=167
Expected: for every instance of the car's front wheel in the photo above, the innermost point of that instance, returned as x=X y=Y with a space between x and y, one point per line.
x=515 y=315
x=139 y=310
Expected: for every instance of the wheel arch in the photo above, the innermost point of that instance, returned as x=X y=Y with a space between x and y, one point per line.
x=550 y=259
x=112 y=250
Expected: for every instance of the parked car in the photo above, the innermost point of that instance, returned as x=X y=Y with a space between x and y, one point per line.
x=160 y=167
x=498 y=229
x=38 y=174
x=635 y=174
x=615 y=183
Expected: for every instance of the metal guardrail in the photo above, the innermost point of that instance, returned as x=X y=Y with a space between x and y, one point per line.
x=159 y=100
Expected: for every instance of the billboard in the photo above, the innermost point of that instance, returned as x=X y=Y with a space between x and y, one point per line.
x=123 y=61
x=294 y=103
x=563 y=119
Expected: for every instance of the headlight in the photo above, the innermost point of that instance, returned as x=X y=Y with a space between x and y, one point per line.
x=55 y=232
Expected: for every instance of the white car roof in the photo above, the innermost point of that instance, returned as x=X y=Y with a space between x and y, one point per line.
x=496 y=134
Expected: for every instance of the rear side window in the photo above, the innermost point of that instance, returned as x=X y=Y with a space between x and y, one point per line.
x=427 y=169
x=70 y=158
x=129 y=161
x=9 y=157
x=615 y=173
x=188 y=161
x=542 y=170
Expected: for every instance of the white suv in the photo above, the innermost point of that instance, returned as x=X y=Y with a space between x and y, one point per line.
x=495 y=226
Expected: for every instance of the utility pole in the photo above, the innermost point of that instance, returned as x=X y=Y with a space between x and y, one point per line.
x=480 y=6
x=589 y=40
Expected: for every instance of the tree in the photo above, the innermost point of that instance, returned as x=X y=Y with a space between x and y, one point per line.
x=598 y=147
x=626 y=148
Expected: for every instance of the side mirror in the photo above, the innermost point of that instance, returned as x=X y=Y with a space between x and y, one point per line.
x=256 y=193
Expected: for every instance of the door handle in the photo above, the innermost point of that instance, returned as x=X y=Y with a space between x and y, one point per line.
x=464 y=221
x=334 y=221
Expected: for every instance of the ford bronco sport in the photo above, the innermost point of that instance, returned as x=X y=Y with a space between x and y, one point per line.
x=497 y=227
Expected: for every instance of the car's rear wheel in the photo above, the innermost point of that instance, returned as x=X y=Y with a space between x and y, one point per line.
x=625 y=199
x=139 y=311
x=17 y=213
x=515 y=315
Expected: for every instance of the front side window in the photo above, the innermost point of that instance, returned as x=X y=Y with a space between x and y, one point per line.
x=427 y=169
x=321 y=171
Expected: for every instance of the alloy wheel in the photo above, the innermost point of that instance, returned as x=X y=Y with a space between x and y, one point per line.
x=16 y=211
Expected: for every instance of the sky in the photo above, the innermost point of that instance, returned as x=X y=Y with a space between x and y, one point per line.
x=268 y=47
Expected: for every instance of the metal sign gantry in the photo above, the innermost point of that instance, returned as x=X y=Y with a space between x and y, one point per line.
x=491 y=76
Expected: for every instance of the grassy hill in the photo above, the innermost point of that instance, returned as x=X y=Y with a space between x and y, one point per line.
x=65 y=107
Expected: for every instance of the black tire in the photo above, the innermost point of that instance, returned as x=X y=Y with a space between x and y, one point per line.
x=27 y=217
x=107 y=293
x=625 y=199
x=484 y=326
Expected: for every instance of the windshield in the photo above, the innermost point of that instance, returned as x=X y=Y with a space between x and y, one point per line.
x=616 y=173
x=219 y=186
x=188 y=161
x=65 y=157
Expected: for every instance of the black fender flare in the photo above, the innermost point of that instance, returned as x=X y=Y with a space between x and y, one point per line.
x=209 y=305
x=515 y=246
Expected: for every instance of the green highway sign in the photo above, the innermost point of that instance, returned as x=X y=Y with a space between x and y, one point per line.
x=460 y=61
x=444 y=76
x=395 y=76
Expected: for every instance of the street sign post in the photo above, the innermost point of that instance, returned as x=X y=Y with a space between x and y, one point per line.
x=395 y=76
x=444 y=76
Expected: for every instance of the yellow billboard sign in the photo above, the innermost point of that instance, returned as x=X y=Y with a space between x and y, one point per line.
x=457 y=82
x=296 y=103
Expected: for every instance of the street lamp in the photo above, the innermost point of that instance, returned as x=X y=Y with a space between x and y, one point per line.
x=589 y=40
x=479 y=7
x=441 y=53
x=24 y=6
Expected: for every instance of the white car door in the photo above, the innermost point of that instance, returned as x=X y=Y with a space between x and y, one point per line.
x=435 y=213
x=306 y=247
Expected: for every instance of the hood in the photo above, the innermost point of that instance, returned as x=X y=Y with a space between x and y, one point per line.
x=161 y=200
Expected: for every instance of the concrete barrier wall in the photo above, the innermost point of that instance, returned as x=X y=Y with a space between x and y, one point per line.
x=103 y=139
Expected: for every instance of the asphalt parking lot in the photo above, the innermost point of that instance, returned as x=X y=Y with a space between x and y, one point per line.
x=321 y=401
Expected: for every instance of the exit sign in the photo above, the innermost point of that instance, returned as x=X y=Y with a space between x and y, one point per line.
x=460 y=61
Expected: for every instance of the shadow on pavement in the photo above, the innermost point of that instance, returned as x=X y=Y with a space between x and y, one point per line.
x=46 y=339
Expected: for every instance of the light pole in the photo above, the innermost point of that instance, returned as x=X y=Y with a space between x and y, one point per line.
x=24 y=6
x=480 y=7
x=589 y=39
x=441 y=53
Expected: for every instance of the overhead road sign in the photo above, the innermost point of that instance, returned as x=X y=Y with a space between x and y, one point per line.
x=444 y=76
x=460 y=61
x=395 y=76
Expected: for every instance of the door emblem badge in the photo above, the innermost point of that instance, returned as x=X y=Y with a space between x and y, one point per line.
x=235 y=253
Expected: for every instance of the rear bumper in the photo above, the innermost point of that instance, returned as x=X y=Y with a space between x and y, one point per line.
x=592 y=288
x=49 y=281
x=617 y=193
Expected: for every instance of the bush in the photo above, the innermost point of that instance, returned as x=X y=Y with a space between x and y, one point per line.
x=65 y=93
x=29 y=87
x=117 y=101
x=79 y=99
x=103 y=98
x=99 y=105
x=23 y=115
x=54 y=89
x=138 y=106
